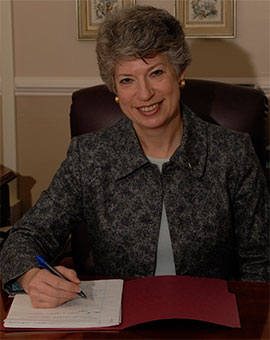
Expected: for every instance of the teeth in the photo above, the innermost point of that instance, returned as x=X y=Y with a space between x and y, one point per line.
x=149 y=108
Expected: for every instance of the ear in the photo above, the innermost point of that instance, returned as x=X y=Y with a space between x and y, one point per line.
x=181 y=76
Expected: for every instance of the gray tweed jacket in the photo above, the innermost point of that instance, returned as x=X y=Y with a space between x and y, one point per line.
x=214 y=191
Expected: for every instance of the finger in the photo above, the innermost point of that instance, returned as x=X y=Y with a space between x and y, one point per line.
x=46 y=280
x=46 y=296
x=44 y=289
x=46 y=301
x=70 y=274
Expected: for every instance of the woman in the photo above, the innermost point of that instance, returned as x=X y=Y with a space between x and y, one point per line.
x=162 y=191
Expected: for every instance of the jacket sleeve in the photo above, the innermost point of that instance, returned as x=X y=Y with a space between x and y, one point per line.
x=251 y=215
x=45 y=228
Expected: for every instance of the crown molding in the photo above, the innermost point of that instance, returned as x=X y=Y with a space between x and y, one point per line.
x=52 y=86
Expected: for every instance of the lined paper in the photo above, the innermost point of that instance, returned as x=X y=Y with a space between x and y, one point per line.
x=102 y=308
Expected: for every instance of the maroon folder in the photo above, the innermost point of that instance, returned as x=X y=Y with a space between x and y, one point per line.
x=178 y=297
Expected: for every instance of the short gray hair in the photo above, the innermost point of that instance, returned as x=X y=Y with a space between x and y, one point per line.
x=140 y=32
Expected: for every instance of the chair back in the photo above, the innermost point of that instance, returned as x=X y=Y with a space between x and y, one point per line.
x=240 y=108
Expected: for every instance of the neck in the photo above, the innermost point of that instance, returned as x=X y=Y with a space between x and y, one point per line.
x=161 y=142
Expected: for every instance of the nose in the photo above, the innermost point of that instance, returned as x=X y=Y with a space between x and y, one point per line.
x=145 y=90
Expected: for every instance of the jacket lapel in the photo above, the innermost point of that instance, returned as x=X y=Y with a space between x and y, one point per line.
x=191 y=154
x=127 y=155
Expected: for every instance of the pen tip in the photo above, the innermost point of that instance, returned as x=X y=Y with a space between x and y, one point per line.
x=83 y=295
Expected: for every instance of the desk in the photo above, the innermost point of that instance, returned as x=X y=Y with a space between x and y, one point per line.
x=253 y=304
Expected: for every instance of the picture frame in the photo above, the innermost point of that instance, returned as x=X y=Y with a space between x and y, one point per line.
x=207 y=18
x=91 y=13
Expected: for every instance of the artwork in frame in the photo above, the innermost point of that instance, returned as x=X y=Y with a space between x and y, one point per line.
x=207 y=18
x=91 y=13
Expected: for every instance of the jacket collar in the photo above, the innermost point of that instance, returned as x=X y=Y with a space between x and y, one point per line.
x=127 y=154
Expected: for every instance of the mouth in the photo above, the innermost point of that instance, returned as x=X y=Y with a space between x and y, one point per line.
x=150 y=109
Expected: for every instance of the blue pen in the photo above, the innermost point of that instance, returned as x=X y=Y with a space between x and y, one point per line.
x=46 y=265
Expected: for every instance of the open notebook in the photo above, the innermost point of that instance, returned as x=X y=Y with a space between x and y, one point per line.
x=101 y=308
x=115 y=304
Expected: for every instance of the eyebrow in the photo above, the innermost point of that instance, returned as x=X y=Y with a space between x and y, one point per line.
x=150 y=69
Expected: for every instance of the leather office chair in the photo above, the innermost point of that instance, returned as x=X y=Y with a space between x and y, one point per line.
x=236 y=107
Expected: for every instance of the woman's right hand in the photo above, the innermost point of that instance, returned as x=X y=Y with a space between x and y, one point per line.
x=47 y=290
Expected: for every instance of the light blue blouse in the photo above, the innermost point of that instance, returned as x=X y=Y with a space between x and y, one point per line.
x=165 y=260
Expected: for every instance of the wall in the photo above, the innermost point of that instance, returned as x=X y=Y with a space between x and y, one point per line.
x=42 y=140
x=1 y=142
x=45 y=42
x=247 y=56
x=50 y=63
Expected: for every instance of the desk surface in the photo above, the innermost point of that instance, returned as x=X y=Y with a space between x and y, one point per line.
x=253 y=305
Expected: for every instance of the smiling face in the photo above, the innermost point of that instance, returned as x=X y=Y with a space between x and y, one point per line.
x=148 y=92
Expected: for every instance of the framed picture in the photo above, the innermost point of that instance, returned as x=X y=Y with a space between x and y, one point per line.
x=207 y=18
x=91 y=13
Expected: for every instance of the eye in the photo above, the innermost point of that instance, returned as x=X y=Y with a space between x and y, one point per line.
x=157 y=73
x=126 y=81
